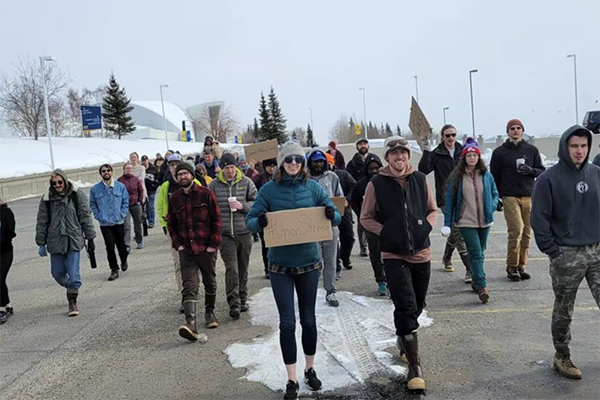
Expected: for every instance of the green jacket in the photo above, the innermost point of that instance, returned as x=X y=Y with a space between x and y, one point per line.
x=61 y=225
x=162 y=204
x=243 y=189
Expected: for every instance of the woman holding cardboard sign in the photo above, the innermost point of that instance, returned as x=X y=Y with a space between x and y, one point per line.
x=293 y=266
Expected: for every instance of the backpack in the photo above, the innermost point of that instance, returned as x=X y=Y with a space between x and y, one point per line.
x=72 y=196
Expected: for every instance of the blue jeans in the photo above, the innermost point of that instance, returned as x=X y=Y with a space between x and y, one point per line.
x=151 y=209
x=65 y=269
x=306 y=285
x=476 y=241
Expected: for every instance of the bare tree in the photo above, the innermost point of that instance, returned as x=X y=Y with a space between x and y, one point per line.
x=342 y=130
x=88 y=97
x=299 y=134
x=22 y=98
x=216 y=121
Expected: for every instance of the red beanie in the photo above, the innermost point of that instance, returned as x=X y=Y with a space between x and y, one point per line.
x=470 y=147
x=514 y=122
x=332 y=144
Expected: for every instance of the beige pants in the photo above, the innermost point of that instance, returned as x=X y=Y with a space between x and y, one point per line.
x=517 y=212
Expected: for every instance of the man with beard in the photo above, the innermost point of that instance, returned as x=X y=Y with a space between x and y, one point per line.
x=194 y=223
x=270 y=166
x=399 y=207
x=317 y=166
x=109 y=201
x=356 y=168
x=373 y=165
x=64 y=223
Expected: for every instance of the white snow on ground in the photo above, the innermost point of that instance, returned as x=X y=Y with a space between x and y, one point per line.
x=78 y=183
x=356 y=340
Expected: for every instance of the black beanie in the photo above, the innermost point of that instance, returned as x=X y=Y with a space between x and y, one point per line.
x=227 y=159
x=186 y=166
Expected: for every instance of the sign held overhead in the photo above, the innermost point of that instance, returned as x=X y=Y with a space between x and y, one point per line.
x=418 y=123
x=262 y=150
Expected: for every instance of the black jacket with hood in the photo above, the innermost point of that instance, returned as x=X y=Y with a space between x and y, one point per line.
x=442 y=164
x=361 y=186
x=356 y=166
x=566 y=201
x=7 y=228
x=503 y=167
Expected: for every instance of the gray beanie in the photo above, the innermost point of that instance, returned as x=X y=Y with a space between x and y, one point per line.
x=289 y=149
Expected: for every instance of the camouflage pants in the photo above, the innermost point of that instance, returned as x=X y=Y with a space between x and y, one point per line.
x=567 y=272
x=456 y=241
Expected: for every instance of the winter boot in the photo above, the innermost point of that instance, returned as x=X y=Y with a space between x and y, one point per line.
x=72 y=299
x=524 y=275
x=484 y=295
x=447 y=259
x=189 y=331
x=414 y=378
x=401 y=349
x=209 y=314
x=145 y=228
x=513 y=274
x=467 y=262
x=565 y=367
x=114 y=274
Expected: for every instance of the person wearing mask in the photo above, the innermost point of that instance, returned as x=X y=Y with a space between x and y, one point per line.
x=151 y=183
x=109 y=202
x=211 y=164
x=337 y=155
x=441 y=161
x=136 y=198
x=356 y=168
x=235 y=195
x=564 y=218
x=319 y=171
x=64 y=225
x=194 y=224
x=163 y=172
x=293 y=267
x=7 y=234
x=372 y=166
x=270 y=166
x=471 y=199
x=399 y=207
x=346 y=227
x=515 y=165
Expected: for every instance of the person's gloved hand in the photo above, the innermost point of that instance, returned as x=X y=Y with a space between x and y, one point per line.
x=42 y=251
x=524 y=169
x=91 y=247
x=165 y=230
x=329 y=213
x=263 y=221
x=446 y=231
x=500 y=206
x=425 y=146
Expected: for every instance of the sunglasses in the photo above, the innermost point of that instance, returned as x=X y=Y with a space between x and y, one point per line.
x=450 y=135
x=398 y=142
x=291 y=159
x=515 y=128
x=103 y=171
x=57 y=183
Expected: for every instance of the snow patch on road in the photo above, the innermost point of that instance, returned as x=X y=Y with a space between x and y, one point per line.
x=356 y=340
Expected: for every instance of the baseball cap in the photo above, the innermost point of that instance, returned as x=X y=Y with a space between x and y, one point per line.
x=144 y=157
x=174 y=158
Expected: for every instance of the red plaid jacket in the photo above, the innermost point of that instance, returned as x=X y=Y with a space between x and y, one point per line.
x=194 y=219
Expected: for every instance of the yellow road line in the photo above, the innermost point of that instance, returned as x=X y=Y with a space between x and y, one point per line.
x=502 y=310
x=504 y=259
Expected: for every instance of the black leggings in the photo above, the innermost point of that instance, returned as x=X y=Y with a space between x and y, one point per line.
x=6 y=260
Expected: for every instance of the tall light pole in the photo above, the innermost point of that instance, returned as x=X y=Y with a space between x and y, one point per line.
x=417 y=87
x=364 y=112
x=472 y=110
x=162 y=102
x=312 y=125
x=43 y=59
x=575 y=74
x=444 y=110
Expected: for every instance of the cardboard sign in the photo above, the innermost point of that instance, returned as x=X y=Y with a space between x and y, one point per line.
x=262 y=150
x=340 y=203
x=418 y=123
x=303 y=225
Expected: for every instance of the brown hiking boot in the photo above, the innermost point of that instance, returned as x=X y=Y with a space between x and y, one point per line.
x=565 y=367
x=513 y=274
x=447 y=259
x=72 y=299
x=524 y=275
x=211 y=320
x=484 y=295
x=189 y=331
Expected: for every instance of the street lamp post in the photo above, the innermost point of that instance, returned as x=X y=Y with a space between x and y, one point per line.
x=444 y=110
x=417 y=87
x=43 y=59
x=364 y=112
x=574 y=56
x=162 y=102
x=312 y=125
x=472 y=109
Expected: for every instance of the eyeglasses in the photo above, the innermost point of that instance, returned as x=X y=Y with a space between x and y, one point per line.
x=291 y=159
x=450 y=135
x=183 y=173
x=104 y=171
x=57 y=183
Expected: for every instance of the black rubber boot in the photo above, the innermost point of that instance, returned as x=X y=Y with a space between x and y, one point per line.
x=209 y=315
x=189 y=331
x=467 y=262
x=72 y=299
x=447 y=258
x=414 y=378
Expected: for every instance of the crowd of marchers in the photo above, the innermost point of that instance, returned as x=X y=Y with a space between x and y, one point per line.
x=217 y=203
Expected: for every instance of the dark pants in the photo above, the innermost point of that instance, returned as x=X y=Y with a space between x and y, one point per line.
x=265 y=251
x=375 y=257
x=6 y=260
x=135 y=213
x=362 y=235
x=408 y=285
x=346 y=236
x=306 y=285
x=235 y=252
x=206 y=263
x=114 y=236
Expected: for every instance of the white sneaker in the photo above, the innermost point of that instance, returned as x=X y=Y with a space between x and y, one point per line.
x=331 y=300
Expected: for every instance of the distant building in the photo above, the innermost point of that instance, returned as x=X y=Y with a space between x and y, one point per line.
x=150 y=124
x=202 y=112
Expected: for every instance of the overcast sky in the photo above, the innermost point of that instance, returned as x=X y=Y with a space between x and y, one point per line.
x=318 y=53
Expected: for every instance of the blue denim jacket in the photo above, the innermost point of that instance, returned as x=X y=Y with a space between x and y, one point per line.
x=109 y=204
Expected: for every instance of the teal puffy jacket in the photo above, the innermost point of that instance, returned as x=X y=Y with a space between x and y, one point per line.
x=290 y=194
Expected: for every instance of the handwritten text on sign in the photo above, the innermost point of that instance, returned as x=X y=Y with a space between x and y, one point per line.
x=303 y=225
x=261 y=151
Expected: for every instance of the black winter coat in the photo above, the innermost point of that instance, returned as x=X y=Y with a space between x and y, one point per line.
x=503 y=167
x=7 y=229
x=347 y=181
x=356 y=166
x=358 y=193
x=442 y=164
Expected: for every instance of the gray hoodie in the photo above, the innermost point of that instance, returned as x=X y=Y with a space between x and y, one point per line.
x=566 y=201
x=328 y=180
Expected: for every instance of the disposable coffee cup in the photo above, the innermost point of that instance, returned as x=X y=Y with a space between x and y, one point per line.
x=520 y=161
x=231 y=200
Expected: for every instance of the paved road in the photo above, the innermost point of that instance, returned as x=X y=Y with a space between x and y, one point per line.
x=125 y=344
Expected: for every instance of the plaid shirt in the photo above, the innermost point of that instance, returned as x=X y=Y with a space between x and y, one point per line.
x=194 y=219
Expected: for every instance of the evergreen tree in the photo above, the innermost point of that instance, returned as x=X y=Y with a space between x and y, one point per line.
x=294 y=135
x=115 y=109
x=310 y=139
x=388 y=130
x=255 y=131
x=264 y=131
x=398 y=130
x=278 y=121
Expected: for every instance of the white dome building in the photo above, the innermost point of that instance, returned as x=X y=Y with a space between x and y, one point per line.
x=150 y=124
